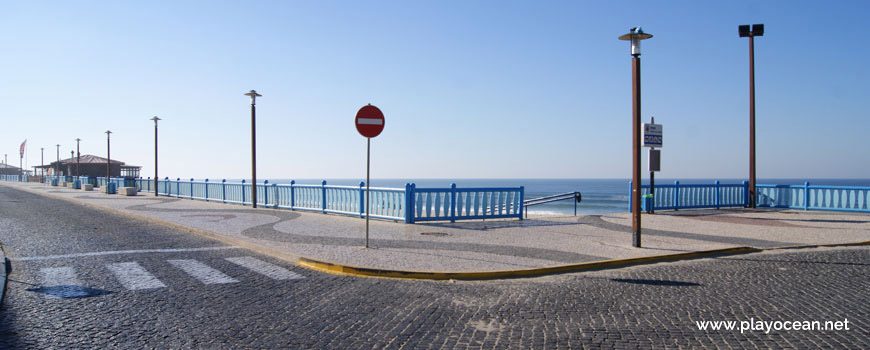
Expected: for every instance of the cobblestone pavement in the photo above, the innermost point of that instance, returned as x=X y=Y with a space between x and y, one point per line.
x=86 y=279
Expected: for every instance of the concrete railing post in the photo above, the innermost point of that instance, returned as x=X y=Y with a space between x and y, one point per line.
x=453 y=202
x=224 y=190
x=292 y=194
x=677 y=195
x=716 y=195
x=243 y=191
x=323 y=196
x=362 y=198
x=806 y=195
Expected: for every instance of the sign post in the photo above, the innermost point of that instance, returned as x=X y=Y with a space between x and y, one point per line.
x=369 y=123
x=652 y=138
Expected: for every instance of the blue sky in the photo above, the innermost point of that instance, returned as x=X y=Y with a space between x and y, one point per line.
x=469 y=89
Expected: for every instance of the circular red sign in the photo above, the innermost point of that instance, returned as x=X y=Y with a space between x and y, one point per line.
x=369 y=121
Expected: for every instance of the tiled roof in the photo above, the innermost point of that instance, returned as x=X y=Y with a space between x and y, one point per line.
x=89 y=159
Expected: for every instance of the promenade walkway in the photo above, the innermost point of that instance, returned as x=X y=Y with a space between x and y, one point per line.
x=477 y=246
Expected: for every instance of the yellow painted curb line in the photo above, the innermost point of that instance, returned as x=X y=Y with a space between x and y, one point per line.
x=483 y=275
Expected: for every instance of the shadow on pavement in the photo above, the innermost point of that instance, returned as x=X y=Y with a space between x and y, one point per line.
x=656 y=282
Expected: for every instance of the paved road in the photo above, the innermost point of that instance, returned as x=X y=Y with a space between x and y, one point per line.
x=86 y=279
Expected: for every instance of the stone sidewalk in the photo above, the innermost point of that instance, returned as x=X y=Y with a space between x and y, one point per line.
x=492 y=245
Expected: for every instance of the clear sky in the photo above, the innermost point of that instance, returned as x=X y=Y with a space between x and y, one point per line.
x=470 y=89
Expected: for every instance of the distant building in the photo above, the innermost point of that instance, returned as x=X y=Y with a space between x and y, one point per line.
x=6 y=169
x=90 y=165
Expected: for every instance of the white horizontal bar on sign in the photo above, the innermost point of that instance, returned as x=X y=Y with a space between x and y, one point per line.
x=370 y=121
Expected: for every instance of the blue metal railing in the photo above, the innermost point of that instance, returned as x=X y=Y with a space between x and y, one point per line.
x=695 y=196
x=807 y=197
x=409 y=204
x=429 y=204
x=831 y=198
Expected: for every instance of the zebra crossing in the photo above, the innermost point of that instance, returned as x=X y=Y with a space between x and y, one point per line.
x=63 y=282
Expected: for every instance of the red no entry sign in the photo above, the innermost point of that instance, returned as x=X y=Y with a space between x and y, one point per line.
x=369 y=121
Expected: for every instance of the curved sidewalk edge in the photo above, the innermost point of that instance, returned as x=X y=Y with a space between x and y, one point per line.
x=484 y=275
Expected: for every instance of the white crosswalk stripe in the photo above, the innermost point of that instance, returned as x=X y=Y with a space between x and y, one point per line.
x=61 y=282
x=134 y=277
x=272 y=271
x=202 y=272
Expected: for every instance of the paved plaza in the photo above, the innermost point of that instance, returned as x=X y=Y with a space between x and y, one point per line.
x=491 y=245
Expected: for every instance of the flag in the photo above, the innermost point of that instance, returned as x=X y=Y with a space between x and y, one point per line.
x=22 y=148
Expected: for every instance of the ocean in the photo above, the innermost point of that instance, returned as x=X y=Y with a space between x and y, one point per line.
x=600 y=196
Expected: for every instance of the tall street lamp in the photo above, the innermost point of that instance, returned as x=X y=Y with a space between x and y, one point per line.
x=155 y=119
x=108 y=155
x=635 y=35
x=78 y=156
x=253 y=94
x=42 y=161
x=72 y=154
x=57 y=165
x=745 y=31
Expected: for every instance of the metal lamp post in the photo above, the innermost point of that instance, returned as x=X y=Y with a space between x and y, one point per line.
x=635 y=35
x=155 y=119
x=42 y=161
x=57 y=165
x=253 y=94
x=72 y=154
x=78 y=156
x=744 y=31
x=108 y=155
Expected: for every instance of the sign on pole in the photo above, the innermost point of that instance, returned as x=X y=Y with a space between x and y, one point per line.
x=369 y=123
x=652 y=135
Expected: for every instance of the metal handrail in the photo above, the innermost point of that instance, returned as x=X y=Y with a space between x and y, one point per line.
x=576 y=196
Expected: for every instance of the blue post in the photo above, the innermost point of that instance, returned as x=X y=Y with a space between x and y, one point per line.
x=413 y=203
x=676 y=194
x=630 y=195
x=522 y=198
x=166 y=186
x=745 y=194
x=362 y=199
x=717 y=194
x=243 y=191
x=409 y=216
x=177 y=187
x=265 y=193
x=453 y=202
x=292 y=194
x=224 y=190
x=277 y=195
x=323 y=196
x=806 y=195
x=206 y=190
x=191 y=188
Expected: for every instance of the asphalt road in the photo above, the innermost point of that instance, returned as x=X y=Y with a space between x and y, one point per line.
x=83 y=278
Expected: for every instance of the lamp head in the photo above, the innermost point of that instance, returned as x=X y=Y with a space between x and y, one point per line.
x=756 y=30
x=155 y=119
x=254 y=95
x=635 y=35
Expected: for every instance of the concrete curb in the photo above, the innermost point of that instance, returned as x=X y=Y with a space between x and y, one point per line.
x=484 y=275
